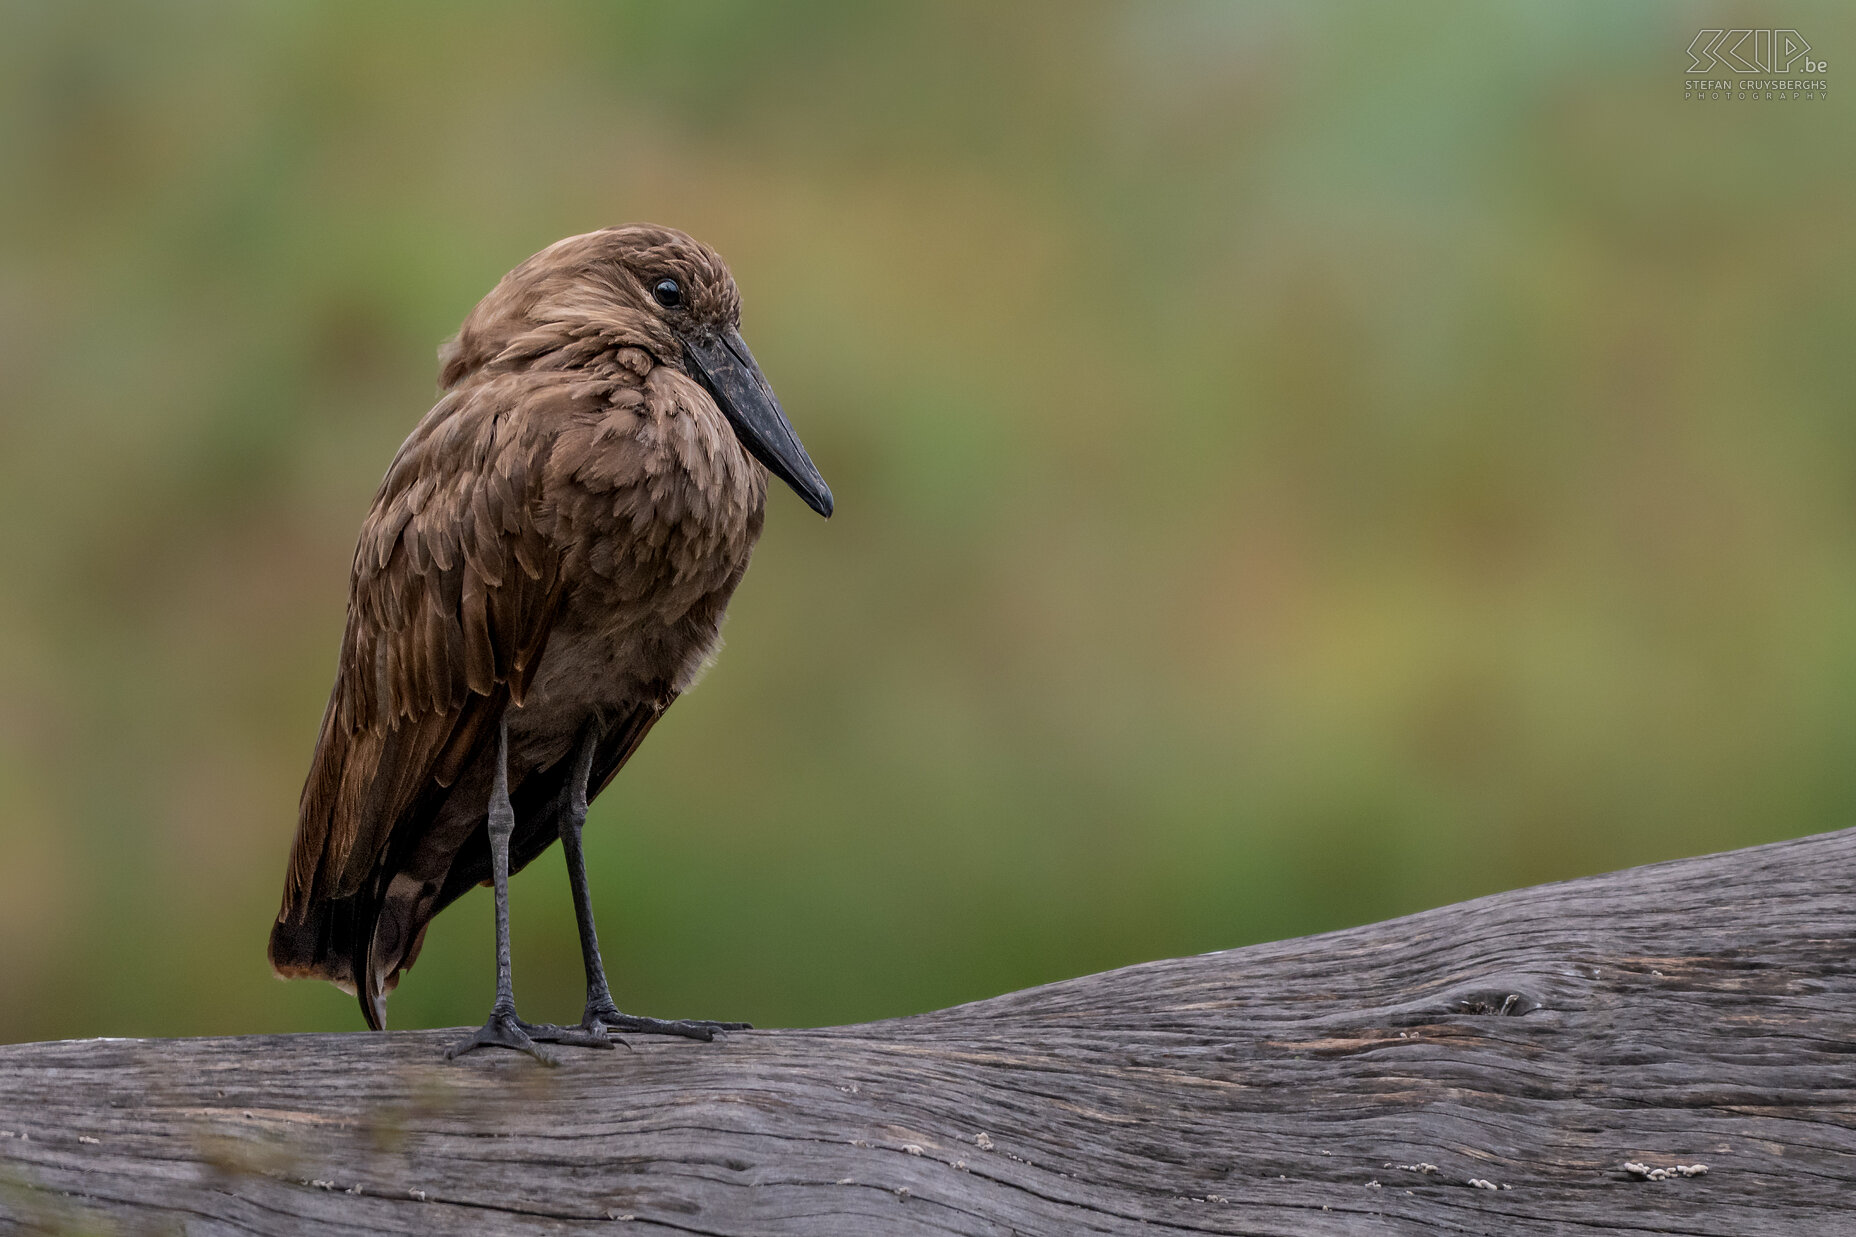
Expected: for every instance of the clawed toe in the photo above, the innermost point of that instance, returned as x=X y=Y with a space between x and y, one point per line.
x=610 y=1018
x=504 y=1030
x=577 y=1037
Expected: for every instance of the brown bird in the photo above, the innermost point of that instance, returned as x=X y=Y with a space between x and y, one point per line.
x=545 y=568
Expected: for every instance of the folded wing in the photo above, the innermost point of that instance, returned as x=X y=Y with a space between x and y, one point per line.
x=453 y=591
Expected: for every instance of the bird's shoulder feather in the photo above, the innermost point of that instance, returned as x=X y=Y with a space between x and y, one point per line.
x=456 y=577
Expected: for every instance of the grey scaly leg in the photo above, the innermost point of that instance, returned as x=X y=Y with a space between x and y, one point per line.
x=601 y=1014
x=504 y=1029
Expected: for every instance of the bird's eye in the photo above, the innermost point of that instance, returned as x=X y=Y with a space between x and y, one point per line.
x=668 y=293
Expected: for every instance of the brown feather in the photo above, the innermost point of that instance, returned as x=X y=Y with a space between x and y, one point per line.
x=560 y=533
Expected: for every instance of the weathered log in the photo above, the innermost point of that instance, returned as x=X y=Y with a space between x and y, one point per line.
x=1489 y=1067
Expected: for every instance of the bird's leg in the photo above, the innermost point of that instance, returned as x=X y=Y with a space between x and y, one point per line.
x=601 y=1013
x=504 y=1029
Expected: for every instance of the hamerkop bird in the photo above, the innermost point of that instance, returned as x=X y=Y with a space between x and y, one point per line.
x=544 y=570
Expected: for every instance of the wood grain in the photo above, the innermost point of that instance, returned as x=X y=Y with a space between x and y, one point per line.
x=1697 y=1012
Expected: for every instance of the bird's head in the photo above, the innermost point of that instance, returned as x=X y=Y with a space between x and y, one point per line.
x=647 y=287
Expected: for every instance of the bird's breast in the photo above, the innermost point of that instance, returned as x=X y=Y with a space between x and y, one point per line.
x=657 y=507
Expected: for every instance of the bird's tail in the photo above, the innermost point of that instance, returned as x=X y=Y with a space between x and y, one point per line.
x=322 y=942
x=341 y=941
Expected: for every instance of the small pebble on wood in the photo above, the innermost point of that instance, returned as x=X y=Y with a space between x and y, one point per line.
x=1646 y=1173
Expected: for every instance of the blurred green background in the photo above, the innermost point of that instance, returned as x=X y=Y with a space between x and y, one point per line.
x=1295 y=466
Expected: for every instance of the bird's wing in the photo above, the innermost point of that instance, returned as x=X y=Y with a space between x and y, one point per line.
x=454 y=588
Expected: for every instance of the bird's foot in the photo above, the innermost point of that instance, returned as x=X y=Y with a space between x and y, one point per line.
x=505 y=1030
x=577 y=1037
x=605 y=1014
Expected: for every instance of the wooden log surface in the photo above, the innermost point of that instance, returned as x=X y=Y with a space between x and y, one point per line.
x=1701 y=1012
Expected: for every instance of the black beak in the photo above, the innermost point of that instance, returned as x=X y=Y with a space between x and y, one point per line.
x=727 y=368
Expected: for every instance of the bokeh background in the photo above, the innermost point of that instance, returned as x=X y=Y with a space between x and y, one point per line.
x=1295 y=465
